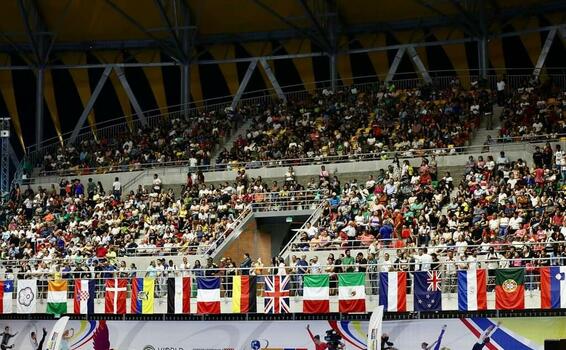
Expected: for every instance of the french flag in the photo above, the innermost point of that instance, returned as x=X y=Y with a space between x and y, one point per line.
x=84 y=297
x=393 y=291
x=208 y=295
x=553 y=287
x=472 y=290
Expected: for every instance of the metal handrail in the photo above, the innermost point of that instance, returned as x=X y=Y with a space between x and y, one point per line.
x=499 y=143
x=440 y=77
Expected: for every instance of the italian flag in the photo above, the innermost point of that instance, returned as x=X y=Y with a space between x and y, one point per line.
x=316 y=294
x=57 y=297
x=351 y=292
x=510 y=289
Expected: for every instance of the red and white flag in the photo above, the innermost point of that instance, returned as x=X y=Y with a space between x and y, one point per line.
x=178 y=295
x=393 y=291
x=84 y=297
x=115 y=296
x=208 y=295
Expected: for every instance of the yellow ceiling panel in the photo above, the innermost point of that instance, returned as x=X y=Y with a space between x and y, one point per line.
x=344 y=66
x=80 y=77
x=304 y=66
x=496 y=57
x=196 y=88
x=456 y=53
x=7 y=90
x=378 y=59
x=229 y=70
x=116 y=57
x=49 y=95
x=533 y=45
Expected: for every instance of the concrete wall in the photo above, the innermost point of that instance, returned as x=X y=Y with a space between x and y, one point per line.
x=178 y=175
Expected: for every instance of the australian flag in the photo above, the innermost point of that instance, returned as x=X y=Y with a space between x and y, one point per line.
x=428 y=295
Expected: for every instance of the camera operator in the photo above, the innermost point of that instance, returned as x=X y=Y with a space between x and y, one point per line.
x=332 y=340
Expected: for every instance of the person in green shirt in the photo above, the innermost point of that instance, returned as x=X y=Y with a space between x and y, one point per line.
x=348 y=262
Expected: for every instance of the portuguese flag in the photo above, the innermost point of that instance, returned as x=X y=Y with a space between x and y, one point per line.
x=510 y=289
x=244 y=298
x=316 y=294
x=351 y=292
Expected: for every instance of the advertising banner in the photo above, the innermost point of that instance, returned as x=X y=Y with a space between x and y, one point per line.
x=438 y=334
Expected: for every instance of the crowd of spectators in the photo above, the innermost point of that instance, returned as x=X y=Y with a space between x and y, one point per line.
x=351 y=123
x=531 y=112
x=503 y=214
x=190 y=141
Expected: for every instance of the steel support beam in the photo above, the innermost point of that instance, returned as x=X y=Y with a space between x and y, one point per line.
x=4 y=156
x=243 y=84
x=482 y=57
x=273 y=79
x=419 y=64
x=13 y=157
x=185 y=86
x=562 y=31
x=90 y=103
x=544 y=52
x=333 y=71
x=395 y=64
x=133 y=100
x=39 y=106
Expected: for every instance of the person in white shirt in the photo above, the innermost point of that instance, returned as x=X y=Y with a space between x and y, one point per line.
x=473 y=261
x=425 y=259
x=386 y=265
x=117 y=188
x=501 y=92
x=315 y=266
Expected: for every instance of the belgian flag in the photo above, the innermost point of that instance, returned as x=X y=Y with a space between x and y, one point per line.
x=244 y=290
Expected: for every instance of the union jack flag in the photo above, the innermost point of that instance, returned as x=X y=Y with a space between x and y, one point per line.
x=276 y=295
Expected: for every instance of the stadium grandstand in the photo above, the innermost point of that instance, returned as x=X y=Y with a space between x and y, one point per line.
x=292 y=174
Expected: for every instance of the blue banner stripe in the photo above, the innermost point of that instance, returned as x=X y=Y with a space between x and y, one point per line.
x=139 y=306
x=462 y=290
x=208 y=282
x=383 y=290
x=500 y=337
x=554 y=287
x=91 y=295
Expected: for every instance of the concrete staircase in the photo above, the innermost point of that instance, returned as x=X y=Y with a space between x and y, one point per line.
x=482 y=132
x=230 y=141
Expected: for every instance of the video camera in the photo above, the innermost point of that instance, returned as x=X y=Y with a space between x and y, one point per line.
x=333 y=340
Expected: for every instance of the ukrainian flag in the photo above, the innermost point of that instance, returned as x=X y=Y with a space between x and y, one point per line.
x=143 y=295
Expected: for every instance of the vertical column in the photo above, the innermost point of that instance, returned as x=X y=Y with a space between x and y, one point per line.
x=4 y=156
x=395 y=64
x=482 y=57
x=39 y=108
x=185 y=87
x=333 y=71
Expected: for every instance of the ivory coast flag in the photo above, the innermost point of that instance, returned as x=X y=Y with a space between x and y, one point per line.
x=316 y=294
x=57 y=297
x=351 y=292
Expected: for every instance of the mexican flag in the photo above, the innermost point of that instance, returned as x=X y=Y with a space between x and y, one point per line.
x=316 y=294
x=510 y=289
x=57 y=297
x=351 y=292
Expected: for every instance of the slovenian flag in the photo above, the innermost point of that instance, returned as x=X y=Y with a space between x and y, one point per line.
x=553 y=287
x=6 y=292
x=393 y=291
x=208 y=295
x=143 y=295
x=84 y=297
x=472 y=290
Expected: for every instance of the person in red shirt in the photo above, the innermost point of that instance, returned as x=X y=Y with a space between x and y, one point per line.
x=318 y=344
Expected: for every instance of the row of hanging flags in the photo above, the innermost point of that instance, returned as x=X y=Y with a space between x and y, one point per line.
x=393 y=289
